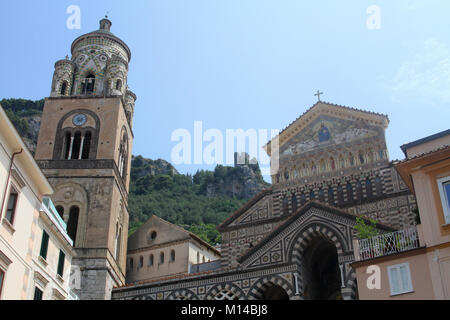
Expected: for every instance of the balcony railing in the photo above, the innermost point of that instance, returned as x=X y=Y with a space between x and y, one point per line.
x=389 y=243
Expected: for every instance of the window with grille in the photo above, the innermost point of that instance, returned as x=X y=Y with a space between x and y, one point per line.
x=225 y=295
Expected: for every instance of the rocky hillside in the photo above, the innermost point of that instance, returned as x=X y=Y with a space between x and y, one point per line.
x=141 y=166
x=26 y=117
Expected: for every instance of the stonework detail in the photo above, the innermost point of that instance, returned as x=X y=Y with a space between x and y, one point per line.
x=333 y=167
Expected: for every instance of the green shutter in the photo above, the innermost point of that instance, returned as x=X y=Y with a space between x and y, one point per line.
x=44 y=245
x=37 y=294
x=61 y=259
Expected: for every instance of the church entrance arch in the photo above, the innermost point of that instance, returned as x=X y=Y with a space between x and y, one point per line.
x=274 y=292
x=322 y=277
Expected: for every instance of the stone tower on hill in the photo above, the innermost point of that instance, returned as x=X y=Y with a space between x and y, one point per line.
x=84 y=149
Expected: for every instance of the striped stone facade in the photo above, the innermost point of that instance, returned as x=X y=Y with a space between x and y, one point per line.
x=333 y=168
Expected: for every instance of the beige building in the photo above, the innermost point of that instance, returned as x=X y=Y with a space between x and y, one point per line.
x=25 y=214
x=160 y=249
x=413 y=263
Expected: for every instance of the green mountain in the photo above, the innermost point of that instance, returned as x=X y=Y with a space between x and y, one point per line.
x=196 y=202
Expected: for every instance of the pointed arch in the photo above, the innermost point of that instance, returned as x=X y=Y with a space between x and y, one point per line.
x=259 y=288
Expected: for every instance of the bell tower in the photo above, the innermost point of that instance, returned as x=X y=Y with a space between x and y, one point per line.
x=84 y=149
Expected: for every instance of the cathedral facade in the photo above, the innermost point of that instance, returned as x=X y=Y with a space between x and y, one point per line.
x=294 y=240
x=84 y=150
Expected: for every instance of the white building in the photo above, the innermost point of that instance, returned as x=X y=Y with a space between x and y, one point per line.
x=29 y=258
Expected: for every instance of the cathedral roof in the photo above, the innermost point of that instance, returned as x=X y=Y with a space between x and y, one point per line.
x=322 y=107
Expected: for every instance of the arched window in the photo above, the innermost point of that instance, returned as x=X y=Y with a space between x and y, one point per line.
x=286 y=174
x=369 y=192
x=341 y=162
x=60 y=210
x=313 y=168
x=203 y=259
x=86 y=145
x=88 y=84
x=198 y=257
x=351 y=159
x=63 y=91
x=119 y=84
x=302 y=199
x=285 y=205
x=312 y=195
x=321 y=195
x=332 y=164
x=161 y=258
x=340 y=194
x=359 y=191
x=123 y=155
x=141 y=261
x=150 y=260
x=349 y=188
x=361 y=158
x=381 y=154
x=294 y=203
x=131 y=263
x=323 y=166
x=76 y=145
x=68 y=145
x=330 y=196
x=378 y=186
x=117 y=241
x=72 y=223
x=172 y=255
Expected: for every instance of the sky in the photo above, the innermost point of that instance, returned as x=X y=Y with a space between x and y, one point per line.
x=249 y=64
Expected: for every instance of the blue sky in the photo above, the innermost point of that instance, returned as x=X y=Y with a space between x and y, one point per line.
x=249 y=63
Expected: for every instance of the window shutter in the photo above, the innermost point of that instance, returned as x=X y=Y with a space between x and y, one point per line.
x=44 y=245
x=61 y=260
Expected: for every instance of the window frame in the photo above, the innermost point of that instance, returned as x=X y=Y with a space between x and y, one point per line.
x=36 y=289
x=46 y=245
x=445 y=202
x=410 y=288
x=61 y=263
x=2 y=280
x=13 y=215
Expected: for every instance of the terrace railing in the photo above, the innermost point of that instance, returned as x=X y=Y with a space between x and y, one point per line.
x=389 y=243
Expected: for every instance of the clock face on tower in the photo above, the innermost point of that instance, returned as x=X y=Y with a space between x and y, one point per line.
x=79 y=119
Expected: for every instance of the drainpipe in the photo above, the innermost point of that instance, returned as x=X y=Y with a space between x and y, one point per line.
x=7 y=180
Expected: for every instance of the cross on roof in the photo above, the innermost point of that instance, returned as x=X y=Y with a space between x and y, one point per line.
x=318 y=95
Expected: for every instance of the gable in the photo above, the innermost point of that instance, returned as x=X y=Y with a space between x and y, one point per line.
x=363 y=118
x=326 y=131
x=277 y=247
x=165 y=233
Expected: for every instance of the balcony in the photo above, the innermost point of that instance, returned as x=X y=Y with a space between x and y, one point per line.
x=387 y=244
